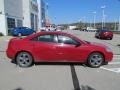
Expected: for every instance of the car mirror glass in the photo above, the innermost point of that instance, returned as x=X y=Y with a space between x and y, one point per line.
x=77 y=45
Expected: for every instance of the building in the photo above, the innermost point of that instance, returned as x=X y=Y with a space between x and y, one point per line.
x=17 y=13
x=41 y=14
x=72 y=27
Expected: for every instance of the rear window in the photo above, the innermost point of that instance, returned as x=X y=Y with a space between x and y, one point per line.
x=104 y=31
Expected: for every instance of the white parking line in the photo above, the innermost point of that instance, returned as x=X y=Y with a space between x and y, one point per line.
x=111 y=63
x=7 y=40
x=116 y=70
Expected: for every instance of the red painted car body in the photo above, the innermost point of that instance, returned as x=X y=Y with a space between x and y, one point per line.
x=104 y=34
x=56 y=51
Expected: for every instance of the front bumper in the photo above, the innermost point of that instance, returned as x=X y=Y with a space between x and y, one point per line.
x=108 y=57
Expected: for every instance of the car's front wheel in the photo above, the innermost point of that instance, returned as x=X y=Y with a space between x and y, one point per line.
x=95 y=60
x=24 y=59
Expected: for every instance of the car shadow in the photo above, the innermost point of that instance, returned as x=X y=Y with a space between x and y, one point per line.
x=60 y=63
x=18 y=89
x=55 y=63
x=86 y=87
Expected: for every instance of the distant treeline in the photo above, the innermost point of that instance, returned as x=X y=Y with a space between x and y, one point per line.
x=81 y=25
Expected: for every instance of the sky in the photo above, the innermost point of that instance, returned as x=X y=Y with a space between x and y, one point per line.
x=70 y=11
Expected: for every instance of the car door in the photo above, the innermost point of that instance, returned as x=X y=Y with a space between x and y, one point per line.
x=27 y=31
x=22 y=30
x=68 y=49
x=45 y=48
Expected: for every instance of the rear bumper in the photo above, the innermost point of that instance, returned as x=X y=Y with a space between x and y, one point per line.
x=10 y=53
x=106 y=36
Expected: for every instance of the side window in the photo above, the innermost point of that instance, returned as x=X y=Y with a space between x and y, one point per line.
x=66 y=40
x=45 y=38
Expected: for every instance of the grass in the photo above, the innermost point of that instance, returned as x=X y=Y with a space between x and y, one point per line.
x=116 y=32
x=5 y=37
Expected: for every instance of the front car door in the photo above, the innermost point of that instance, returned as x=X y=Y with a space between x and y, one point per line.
x=67 y=49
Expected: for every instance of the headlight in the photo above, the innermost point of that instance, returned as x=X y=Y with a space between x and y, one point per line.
x=108 y=49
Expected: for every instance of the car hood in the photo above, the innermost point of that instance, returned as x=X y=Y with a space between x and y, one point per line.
x=96 y=44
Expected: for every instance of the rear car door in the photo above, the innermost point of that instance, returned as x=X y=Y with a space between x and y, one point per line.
x=45 y=48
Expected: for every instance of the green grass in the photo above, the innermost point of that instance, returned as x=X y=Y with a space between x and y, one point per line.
x=116 y=32
x=5 y=37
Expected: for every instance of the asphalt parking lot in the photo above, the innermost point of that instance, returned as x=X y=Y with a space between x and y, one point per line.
x=56 y=76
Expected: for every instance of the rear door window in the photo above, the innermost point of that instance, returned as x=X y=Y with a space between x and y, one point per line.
x=45 y=38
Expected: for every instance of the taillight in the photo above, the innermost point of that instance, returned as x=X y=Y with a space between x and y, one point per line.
x=105 y=32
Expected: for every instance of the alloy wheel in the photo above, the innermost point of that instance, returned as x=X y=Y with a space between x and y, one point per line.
x=95 y=60
x=24 y=59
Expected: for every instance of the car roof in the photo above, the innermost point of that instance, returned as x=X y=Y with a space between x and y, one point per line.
x=52 y=32
x=48 y=32
x=21 y=27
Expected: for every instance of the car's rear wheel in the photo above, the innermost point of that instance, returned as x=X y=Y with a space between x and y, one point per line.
x=95 y=60
x=24 y=59
x=111 y=38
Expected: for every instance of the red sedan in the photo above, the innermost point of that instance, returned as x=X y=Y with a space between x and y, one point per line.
x=57 y=47
x=104 y=34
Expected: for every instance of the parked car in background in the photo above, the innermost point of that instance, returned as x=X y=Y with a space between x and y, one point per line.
x=57 y=47
x=104 y=34
x=22 y=31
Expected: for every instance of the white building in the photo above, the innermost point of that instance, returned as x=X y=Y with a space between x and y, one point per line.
x=71 y=27
x=17 y=13
x=41 y=14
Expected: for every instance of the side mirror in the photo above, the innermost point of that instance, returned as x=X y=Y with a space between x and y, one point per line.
x=77 y=45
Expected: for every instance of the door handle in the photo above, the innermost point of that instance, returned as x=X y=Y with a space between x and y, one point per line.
x=32 y=44
x=54 y=47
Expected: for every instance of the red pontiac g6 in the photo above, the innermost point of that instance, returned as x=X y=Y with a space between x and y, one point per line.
x=57 y=47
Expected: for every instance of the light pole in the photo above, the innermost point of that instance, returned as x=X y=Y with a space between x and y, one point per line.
x=90 y=24
x=103 y=16
x=84 y=21
x=119 y=25
x=48 y=24
x=47 y=10
x=54 y=20
x=94 y=18
x=115 y=26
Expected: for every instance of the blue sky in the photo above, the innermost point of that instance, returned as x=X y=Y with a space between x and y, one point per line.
x=68 y=11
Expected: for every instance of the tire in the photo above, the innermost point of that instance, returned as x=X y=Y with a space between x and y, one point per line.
x=110 y=38
x=19 y=34
x=99 y=37
x=95 y=60
x=24 y=59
